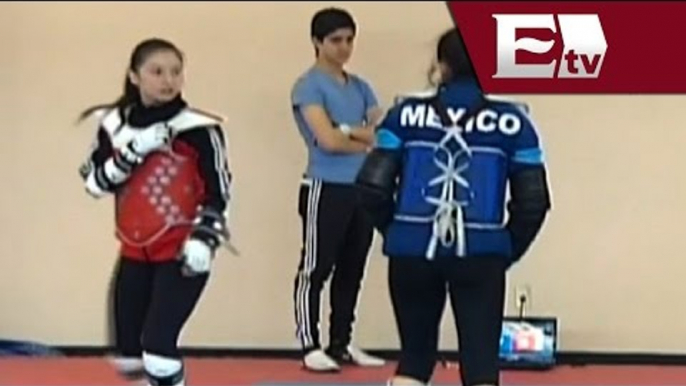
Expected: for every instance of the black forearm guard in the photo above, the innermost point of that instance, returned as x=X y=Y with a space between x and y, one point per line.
x=210 y=227
x=379 y=171
x=528 y=208
x=377 y=183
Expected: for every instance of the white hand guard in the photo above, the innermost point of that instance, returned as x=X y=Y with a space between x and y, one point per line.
x=197 y=257
x=151 y=139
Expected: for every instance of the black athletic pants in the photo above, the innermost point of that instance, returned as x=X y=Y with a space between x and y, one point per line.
x=152 y=302
x=337 y=234
x=476 y=287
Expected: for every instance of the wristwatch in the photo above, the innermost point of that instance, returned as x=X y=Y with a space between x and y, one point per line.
x=346 y=129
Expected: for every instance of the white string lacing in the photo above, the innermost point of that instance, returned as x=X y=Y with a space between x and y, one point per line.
x=448 y=221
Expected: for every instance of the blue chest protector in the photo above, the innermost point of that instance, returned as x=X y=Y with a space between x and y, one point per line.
x=458 y=150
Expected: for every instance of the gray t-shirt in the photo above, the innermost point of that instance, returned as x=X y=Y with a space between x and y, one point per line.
x=345 y=104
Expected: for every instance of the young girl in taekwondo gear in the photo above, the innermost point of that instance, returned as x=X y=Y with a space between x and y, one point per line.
x=436 y=185
x=165 y=164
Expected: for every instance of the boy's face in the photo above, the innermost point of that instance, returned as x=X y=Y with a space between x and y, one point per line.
x=337 y=47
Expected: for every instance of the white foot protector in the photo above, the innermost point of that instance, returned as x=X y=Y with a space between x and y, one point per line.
x=163 y=371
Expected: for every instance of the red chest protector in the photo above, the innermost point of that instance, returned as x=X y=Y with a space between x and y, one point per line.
x=157 y=204
x=162 y=193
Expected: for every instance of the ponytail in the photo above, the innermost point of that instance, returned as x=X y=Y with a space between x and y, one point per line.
x=452 y=52
x=129 y=97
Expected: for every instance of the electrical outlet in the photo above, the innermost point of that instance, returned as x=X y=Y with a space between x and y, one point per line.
x=523 y=297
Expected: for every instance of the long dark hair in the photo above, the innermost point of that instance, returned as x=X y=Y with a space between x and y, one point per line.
x=131 y=94
x=452 y=52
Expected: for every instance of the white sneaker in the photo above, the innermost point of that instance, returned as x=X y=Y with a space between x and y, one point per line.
x=363 y=359
x=358 y=357
x=317 y=360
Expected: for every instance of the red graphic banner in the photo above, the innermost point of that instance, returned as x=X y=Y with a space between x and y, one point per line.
x=575 y=46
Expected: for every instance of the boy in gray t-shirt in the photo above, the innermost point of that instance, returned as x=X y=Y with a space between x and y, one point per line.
x=335 y=113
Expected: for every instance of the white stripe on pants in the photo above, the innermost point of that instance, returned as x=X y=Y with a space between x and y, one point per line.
x=302 y=305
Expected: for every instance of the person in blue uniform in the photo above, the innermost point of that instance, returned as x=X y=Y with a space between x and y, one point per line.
x=437 y=184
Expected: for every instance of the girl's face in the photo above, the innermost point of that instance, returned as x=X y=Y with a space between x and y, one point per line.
x=160 y=78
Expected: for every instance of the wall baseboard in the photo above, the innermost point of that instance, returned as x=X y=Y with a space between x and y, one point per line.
x=573 y=358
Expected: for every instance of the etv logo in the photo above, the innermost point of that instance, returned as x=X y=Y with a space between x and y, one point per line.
x=583 y=40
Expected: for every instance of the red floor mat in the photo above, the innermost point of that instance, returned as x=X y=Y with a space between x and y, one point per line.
x=230 y=372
